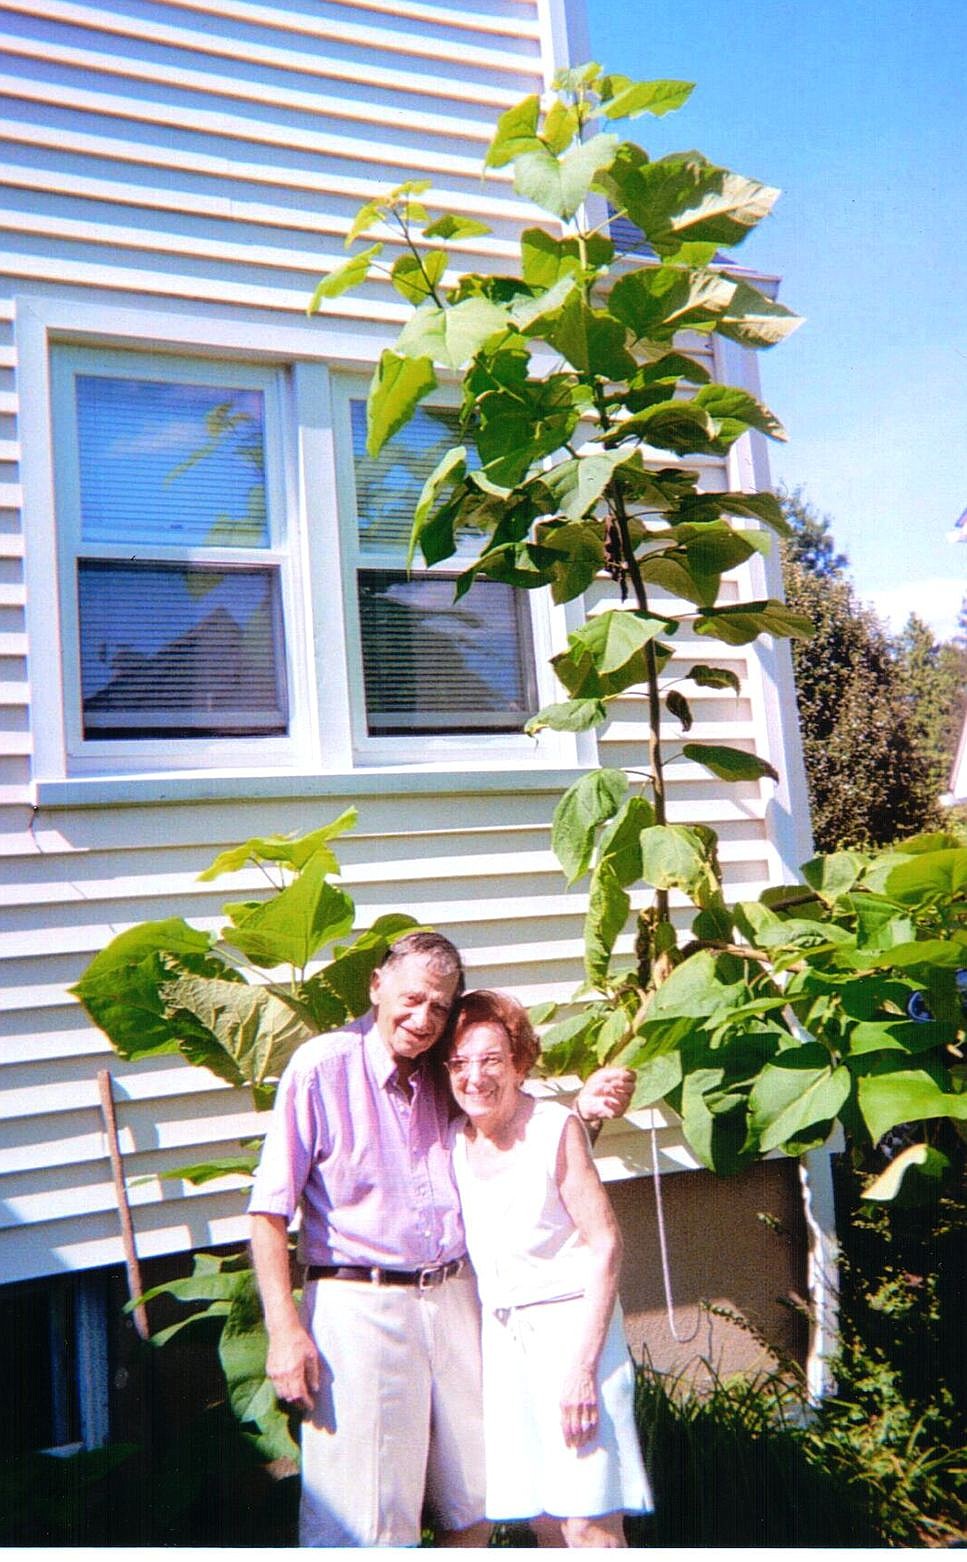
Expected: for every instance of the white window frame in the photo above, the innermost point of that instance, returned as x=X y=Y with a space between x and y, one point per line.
x=90 y=754
x=315 y=373
x=547 y=627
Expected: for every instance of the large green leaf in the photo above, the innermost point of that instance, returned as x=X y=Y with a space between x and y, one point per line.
x=398 y=386
x=450 y=226
x=799 y=1090
x=655 y=1079
x=120 y=989
x=713 y=1121
x=910 y=1036
x=656 y=302
x=608 y=907
x=684 y=196
x=739 y=624
x=591 y=340
x=294 y=925
x=586 y=805
x=731 y=764
x=293 y=850
x=250 y=1024
x=546 y=259
x=560 y=183
x=671 y=425
x=345 y=276
x=450 y=469
x=755 y=320
x=576 y=485
x=416 y=277
x=696 y=989
x=621 y=841
x=929 y=877
x=614 y=639
x=727 y=401
x=569 y=716
x=905 y=1096
x=680 y=856
x=516 y=133
x=452 y=335
x=567 y=1046
x=242 y=1350
x=622 y=98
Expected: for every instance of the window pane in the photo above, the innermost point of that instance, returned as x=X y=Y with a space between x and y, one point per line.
x=435 y=665
x=388 y=487
x=170 y=463
x=180 y=651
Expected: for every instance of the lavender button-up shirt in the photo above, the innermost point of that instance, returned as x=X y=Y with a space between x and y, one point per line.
x=369 y=1165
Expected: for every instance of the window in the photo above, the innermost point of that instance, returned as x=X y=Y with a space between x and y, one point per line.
x=225 y=585
x=54 y=1360
x=174 y=554
x=432 y=666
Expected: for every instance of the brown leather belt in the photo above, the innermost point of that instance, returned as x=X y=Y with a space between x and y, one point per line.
x=423 y=1279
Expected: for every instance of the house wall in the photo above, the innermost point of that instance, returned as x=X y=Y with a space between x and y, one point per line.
x=181 y=173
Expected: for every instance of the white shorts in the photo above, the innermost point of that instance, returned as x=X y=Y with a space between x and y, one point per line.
x=398 y=1413
x=530 y=1468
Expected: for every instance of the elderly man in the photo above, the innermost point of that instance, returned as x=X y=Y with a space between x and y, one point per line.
x=385 y=1356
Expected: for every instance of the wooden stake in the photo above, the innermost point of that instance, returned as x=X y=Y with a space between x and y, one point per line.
x=135 y=1288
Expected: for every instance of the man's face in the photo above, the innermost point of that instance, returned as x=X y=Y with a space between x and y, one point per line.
x=412 y=1000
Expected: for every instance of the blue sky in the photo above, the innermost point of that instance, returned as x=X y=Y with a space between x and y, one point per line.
x=855 y=109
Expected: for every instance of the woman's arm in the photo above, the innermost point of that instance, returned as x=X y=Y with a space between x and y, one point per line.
x=589 y=1207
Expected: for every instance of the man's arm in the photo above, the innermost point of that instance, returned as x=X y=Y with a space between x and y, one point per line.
x=293 y=1361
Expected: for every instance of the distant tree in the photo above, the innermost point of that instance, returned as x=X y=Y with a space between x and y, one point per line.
x=869 y=780
x=812 y=544
x=935 y=688
x=960 y=637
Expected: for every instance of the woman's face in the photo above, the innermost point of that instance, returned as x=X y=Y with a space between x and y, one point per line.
x=483 y=1077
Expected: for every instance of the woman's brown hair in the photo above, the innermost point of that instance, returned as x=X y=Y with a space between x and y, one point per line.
x=484 y=1007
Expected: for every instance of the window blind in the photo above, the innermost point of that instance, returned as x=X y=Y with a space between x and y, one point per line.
x=180 y=650
x=388 y=486
x=170 y=463
x=435 y=665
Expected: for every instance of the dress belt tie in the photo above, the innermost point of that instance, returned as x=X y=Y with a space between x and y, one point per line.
x=423 y=1279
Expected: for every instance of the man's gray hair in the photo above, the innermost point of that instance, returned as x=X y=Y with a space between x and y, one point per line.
x=443 y=956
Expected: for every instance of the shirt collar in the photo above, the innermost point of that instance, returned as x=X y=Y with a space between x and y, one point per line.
x=381 y=1062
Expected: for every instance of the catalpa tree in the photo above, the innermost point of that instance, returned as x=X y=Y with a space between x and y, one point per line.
x=773 y=1021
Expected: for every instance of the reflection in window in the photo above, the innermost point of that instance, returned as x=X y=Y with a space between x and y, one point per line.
x=180 y=650
x=431 y=664
x=435 y=665
x=170 y=464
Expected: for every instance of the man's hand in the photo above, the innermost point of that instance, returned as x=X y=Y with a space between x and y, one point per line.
x=607 y=1093
x=294 y=1367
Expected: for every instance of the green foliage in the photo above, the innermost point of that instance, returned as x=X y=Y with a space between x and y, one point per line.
x=748 y=1462
x=780 y=1019
x=166 y=987
x=881 y=716
x=869 y=780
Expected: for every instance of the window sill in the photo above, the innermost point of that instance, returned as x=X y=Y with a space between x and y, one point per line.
x=443 y=779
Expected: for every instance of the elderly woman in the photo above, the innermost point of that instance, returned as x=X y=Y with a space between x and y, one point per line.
x=561 y=1446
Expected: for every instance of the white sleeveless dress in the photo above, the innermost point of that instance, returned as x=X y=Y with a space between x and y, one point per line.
x=531 y=1265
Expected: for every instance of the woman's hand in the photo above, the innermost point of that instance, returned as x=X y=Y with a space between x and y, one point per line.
x=579 y=1407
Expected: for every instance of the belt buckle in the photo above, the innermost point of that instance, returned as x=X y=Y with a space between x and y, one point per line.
x=431 y=1277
